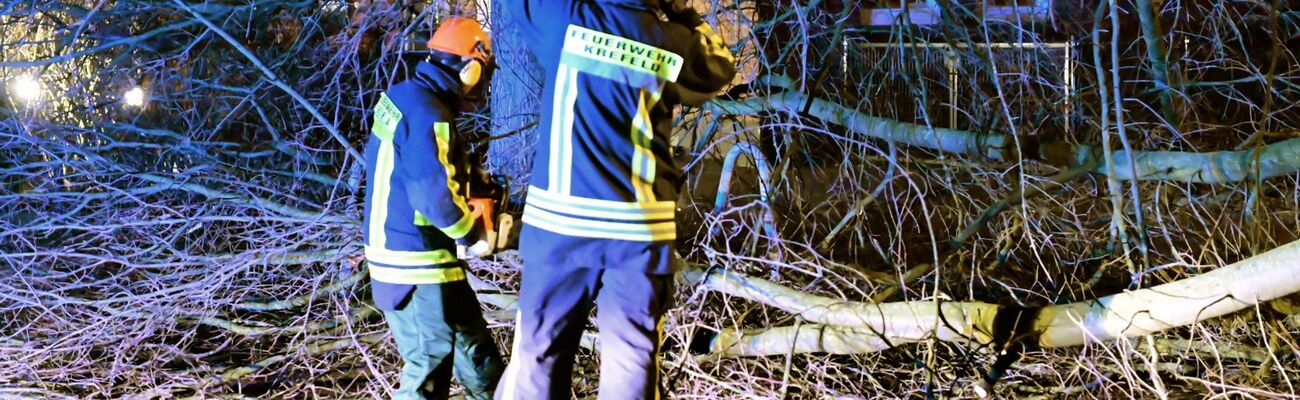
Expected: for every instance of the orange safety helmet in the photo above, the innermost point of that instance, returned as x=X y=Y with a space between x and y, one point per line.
x=463 y=37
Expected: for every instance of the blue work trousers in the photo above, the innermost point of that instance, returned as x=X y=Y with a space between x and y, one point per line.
x=553 y=306
x=440 y=331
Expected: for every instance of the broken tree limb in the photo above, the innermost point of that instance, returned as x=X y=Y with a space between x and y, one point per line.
x=358 y=313
x=800 y=339
x=236 y=373
x=299 y=301
x=1276 y=159
x=990 y=145
x=255 y=201
x=900 y=321
x=1225 y=290
x=1264 y=277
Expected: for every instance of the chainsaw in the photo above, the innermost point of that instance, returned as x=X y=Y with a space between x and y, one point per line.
x=491 y=210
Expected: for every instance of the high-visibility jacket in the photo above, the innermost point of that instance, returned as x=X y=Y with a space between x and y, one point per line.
x=415 y=196
x=604 y=184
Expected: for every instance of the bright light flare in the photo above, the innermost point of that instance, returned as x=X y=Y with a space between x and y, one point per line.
x=27 y=89
x=134 y=97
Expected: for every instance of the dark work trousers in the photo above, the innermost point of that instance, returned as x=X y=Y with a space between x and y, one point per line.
x=441 y=331
x=553 y=307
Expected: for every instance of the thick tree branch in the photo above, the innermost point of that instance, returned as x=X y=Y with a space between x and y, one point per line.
x=1277 y=159
x=1228 y=289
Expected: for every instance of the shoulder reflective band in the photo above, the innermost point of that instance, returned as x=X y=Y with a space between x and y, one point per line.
x=386 y=118
x=604 y=50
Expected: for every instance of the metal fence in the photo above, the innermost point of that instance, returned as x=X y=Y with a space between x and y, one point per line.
x=950 y=85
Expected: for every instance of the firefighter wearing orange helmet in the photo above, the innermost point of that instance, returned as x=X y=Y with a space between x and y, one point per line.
x=417 y=213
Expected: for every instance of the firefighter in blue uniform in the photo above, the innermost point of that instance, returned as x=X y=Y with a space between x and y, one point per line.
x=416 y=213
x=599 y=220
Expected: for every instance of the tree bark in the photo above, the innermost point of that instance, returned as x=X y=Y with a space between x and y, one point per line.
x=1151 y=34
x=844 y=327
x=1276 y=159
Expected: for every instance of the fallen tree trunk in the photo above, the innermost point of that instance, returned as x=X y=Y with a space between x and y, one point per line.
x=857 y=327
x=1276 y=159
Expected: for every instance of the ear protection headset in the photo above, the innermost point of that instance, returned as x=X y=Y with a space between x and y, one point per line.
x=465 y=38
x=471 y=72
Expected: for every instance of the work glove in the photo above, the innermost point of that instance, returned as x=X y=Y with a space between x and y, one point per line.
x=474 y=244
x=481 y=239
x=713 y=44
x=681 y=12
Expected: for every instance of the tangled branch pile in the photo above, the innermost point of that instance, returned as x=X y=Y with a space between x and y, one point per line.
x=198 y=245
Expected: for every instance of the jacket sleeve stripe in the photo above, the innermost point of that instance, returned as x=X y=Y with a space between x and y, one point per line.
x=461 y=228
x=442 y=132
x=643 y=159
x=421 y=220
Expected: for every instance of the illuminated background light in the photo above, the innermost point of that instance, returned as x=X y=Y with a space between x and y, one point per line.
x=27 y=89
x=134 y=97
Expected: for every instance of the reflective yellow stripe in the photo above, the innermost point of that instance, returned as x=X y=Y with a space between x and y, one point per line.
x=625 y=53
x=461 y=228
x=379 y=204
x=596 y=208
x=659 y=347
x=420 y=220
x=419 y=276
x=408 y=258
x=570 y=226
x=643 y=159
x=386 y=117
x=458 y=230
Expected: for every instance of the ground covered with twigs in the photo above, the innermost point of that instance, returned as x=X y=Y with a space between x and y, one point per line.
x=203 y=244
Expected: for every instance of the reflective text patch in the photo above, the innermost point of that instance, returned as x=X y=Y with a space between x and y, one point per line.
x=630 y=54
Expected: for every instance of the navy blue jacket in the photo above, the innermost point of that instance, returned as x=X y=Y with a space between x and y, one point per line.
x=603 y=192
x=415 y=192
